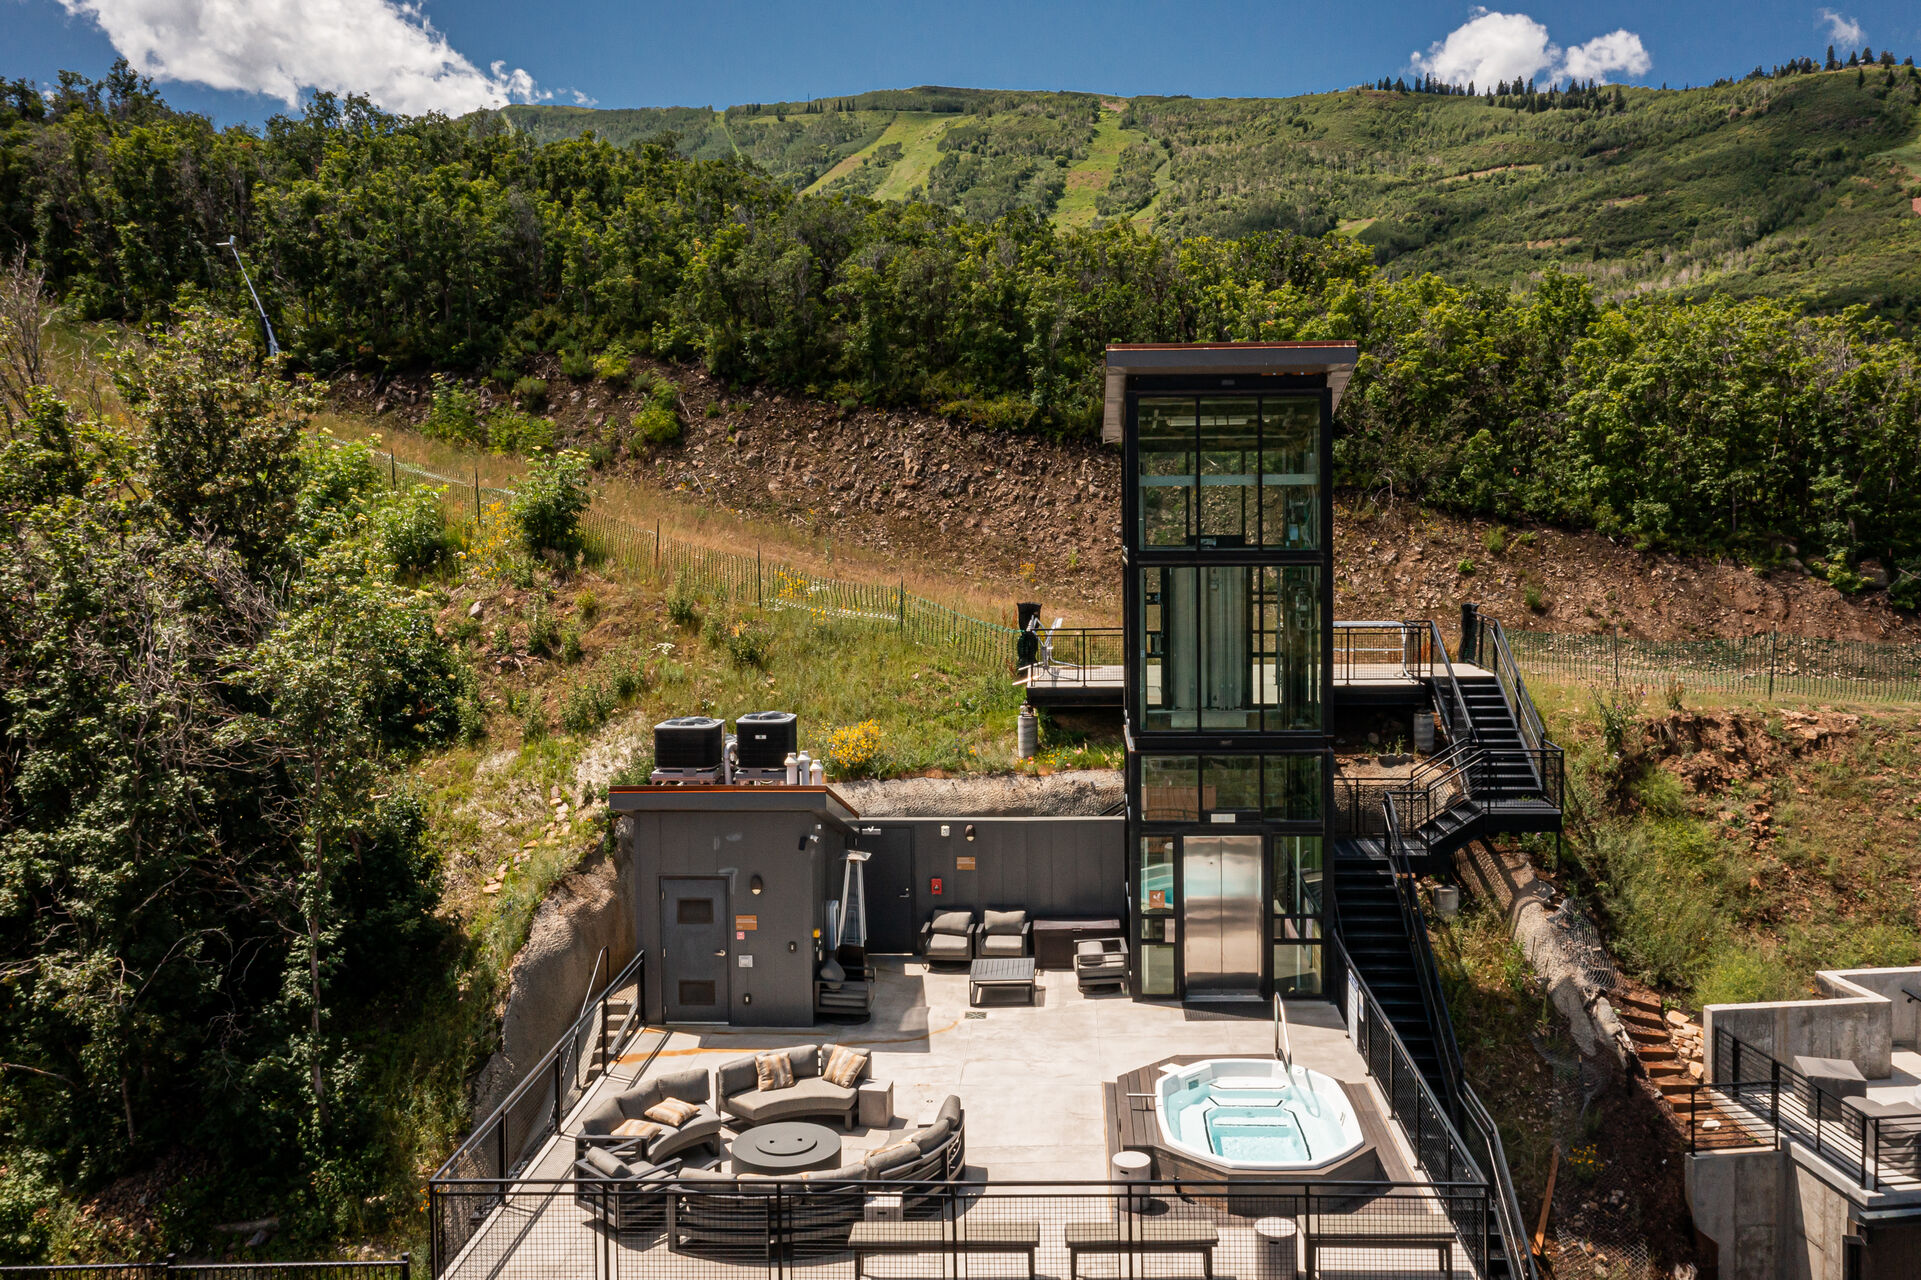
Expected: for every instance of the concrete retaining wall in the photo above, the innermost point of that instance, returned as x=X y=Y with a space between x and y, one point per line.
x=1857 y=1023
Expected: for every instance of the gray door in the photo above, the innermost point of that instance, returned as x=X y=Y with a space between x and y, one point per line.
x=1221 y=917
x=891 y=926
x=693 y=933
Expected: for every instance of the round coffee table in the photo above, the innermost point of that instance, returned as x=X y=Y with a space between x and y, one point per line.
x=789 y=1147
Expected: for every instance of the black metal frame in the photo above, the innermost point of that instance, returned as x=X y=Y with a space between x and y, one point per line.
x=1218 y=742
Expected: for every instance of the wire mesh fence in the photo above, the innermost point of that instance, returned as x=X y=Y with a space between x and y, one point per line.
x=738 y=576
x=1763 y=666
x=715 y=1227
x=374 y=1269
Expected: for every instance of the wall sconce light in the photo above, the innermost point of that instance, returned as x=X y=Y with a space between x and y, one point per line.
x=754 y=886
x=970 y=831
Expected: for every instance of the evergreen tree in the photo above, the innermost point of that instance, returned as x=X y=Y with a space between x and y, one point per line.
x=1832 y=64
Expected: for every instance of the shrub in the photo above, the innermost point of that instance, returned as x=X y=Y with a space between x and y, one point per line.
x=713 y=408
x=530 y=394
x=682 y=610
x=503 y=641
x=533 y=725
x=1532 y=598
x=550 y=501
x=413 y=529
x=1495 y=540
x=748 y=643
x=577 y=364
x=543 y=633
x=614 y=364
x=658 y=421
x=630 y=679
x=1465 y=568
x=587 y=605
x=511 y=431
x=854 y=749
x=454 y=414
x=570 y=644
x=586 y=707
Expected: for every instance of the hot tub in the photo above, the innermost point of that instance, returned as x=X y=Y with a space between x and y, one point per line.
x=1253 y=1114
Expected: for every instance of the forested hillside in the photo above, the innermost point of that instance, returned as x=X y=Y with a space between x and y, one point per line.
x=382 y=243
x=1796 y=183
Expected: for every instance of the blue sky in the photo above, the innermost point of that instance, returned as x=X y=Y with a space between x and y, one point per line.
x=242 y=60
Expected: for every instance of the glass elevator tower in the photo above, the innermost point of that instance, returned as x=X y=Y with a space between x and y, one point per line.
x=1229 y=623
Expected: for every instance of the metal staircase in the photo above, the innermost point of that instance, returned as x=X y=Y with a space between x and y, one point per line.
x=1500 y=774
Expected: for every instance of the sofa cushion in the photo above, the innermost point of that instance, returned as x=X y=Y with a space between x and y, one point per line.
x=811 y=1097
x=892 y=1157
x=672 y=1112
x=933 y=1135
x=602 y=1119
x=952 y=921
x=773 y=1071
x=689 y=1086
x=950 y=1109
x=996 y=922
x=844 y=1066
x=736 y=1077
x=605 y=1163
x=1004 y=944
x=949 y=946
x=805 y=1059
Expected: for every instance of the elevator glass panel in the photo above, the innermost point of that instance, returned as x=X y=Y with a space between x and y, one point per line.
x=1291 y=789
x=1229 y=472
x=1231 y=784
x=1165 y=440
x=1298 y=667
x=1290 y=489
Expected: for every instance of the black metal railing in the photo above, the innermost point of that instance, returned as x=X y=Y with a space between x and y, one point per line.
x=1439 y=1144
x=368 y=1269
x=1427 y=973
x=722 y=1229
x=500 y=1146
x=1769 y=1102
x=1077 y=656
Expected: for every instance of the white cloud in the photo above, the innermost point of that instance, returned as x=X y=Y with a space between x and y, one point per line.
x=1491 y=47
x=1602 y=56
x=1845 y=32
x=384 y=49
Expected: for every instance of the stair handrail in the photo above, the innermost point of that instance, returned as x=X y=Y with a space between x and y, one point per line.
x=1507 y=672
x=1462 y=768
x=1452 y=701
x=1427 y=974
x=593 y=984
x=1509 y=1220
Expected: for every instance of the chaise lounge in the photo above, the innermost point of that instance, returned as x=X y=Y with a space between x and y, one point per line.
x=657 y=1140
x=810 y=1094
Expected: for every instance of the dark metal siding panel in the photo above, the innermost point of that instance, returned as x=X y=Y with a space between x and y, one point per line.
x=1059 y=867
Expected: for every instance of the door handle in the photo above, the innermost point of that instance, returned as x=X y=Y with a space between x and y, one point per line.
x=721 y=952
x=906 y=893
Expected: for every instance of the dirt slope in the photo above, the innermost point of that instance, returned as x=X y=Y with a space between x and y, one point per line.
x=1041 y=520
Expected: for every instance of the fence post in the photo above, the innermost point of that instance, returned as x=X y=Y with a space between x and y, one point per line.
x=406 y=1265
x=476 y=495
x=656 y=548
x=393 y=471
x=903 y=604
x=757 y=556
x=560 y=1095
x=1617 y=654
x=1770 y=665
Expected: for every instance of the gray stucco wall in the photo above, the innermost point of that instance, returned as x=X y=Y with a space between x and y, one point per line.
x=778 y=990
x=1052 y=867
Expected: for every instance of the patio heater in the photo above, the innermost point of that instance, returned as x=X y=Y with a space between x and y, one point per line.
x=850 y=935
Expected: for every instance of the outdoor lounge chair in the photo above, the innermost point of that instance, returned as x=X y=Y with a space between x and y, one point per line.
x=702 y=1129
x=629 y=1199
x=1004 y=934
x=948 y=937
x=1100 y=960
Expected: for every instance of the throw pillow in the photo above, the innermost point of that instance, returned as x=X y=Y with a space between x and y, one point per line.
x=844 y=1066
x=645 y=1130
x=774 y=1070
x=953 y=921
x=1003 y=922
x=672 y=1112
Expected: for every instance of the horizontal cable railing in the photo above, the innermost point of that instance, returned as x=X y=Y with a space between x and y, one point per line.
x=1764 y=666
x=718 y=1228
x=1076 y=657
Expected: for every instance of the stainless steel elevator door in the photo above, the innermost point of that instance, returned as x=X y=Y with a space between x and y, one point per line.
x=1221 y=917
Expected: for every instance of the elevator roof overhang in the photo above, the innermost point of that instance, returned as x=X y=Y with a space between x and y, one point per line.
x=1227 y=359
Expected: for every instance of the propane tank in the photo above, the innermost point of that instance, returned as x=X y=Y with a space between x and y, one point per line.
x=1027 y=734
x=820 y=774
x=792 y=766
x=804 y=769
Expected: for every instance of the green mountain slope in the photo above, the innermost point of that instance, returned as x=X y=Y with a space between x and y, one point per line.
x=1800 y=186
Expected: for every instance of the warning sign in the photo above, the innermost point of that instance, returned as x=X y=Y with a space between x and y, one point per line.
x=963 y=864
x=746 y=923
